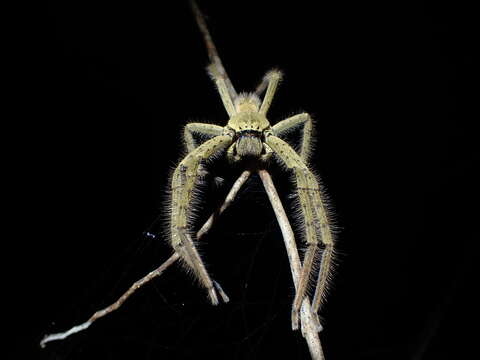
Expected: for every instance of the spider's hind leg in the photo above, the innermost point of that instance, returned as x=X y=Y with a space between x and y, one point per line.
x=315 y=222
x=305 y=189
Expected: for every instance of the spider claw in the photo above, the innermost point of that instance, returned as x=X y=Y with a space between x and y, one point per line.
x=222 y=293
x=213 y=296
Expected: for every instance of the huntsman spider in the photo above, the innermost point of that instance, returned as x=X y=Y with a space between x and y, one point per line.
x=248 y=137
x=249 y=140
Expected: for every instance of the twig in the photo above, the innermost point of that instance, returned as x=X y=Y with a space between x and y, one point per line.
x=101 y=313
x=228 y=201
x=153 y=274
x=310 y=325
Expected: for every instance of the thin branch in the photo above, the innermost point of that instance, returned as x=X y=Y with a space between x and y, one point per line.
x=310 y=325
x=101 y=313
x=228 y=201
x=153 y=274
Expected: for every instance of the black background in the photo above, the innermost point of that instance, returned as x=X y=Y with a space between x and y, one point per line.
x=101 y=92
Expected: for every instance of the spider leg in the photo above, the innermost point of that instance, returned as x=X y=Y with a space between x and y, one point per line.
x=211 y=49
x=207 y=130
x=183 y=183
x=315 y=222
x=268 y=152
x=270 y=81
x=323 y=277
x=283 y=127
x=231 y=154
x=265 y=82
x=287 y=125
x=222 y=87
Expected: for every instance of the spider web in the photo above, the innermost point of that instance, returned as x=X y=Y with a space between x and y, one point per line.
x=171 y=317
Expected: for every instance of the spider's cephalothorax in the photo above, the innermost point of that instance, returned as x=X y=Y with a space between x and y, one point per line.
x=250 y=129
x=249 y=135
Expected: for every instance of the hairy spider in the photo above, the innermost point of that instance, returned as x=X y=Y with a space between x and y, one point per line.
x=249 y=135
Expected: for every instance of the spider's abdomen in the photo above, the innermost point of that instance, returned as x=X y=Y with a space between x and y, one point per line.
x=249 y=143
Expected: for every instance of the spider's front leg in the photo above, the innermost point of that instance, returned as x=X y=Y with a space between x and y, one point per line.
x=315 y=222
x=183 y=182
x=270 y=83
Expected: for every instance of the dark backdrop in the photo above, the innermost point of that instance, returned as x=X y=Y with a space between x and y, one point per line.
x=101 y=92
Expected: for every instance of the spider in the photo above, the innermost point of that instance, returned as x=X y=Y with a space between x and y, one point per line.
x=248 y=135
